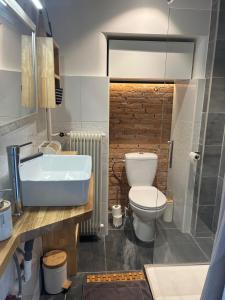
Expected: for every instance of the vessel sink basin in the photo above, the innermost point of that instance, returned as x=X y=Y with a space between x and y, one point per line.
x=55 y=180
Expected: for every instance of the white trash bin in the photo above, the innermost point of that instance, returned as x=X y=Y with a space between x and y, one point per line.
x=55 y=271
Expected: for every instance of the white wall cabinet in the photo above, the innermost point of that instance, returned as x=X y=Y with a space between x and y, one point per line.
x=130 y=59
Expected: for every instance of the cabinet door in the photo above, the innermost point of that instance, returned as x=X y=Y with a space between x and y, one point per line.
x=137 y=59
x=46 y=73
x=179 y=63
x=150 y=60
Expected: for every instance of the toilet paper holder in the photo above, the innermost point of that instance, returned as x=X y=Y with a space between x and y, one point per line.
x=195 y=156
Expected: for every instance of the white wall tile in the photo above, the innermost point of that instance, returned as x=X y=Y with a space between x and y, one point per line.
x=94 y=116
x=94 y=99
x=10 y=90
x=65 y=127
x=200 y=57
x=70 y=110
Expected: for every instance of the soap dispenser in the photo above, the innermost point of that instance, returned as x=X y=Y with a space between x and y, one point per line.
x=6 y=226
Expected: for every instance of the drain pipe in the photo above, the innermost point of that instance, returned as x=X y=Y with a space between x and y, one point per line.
x=27 y=262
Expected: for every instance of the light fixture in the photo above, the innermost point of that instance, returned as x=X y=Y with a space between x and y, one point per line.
x=170 y=1
x=3 y=2
x=37 y=4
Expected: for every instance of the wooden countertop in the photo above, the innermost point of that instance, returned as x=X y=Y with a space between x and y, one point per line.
x=38 y=220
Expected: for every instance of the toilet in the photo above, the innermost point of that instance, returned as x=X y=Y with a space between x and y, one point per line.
x=146 y=201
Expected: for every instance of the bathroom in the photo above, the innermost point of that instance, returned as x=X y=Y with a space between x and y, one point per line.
x=144 y=77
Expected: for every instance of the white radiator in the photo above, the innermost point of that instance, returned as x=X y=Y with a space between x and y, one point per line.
x=90 y=143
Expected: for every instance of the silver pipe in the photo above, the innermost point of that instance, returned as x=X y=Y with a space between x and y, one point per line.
x=13 y=153
x=19 y=275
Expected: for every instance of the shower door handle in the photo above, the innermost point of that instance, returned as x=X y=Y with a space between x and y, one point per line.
x=171 y=145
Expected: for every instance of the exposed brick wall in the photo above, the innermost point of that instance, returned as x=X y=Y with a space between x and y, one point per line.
x=140 y=120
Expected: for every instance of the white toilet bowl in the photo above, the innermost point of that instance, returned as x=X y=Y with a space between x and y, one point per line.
x=147 y=204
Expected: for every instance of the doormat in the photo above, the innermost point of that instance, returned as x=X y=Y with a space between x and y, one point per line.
x=116 y=286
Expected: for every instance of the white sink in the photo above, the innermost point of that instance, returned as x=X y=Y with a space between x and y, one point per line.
x=56 y=180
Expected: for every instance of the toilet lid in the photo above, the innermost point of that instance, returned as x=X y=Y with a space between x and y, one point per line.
x=147 y=197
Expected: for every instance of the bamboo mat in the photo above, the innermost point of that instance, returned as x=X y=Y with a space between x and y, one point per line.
x=111 y=277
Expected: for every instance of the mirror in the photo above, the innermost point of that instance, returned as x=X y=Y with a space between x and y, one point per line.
x=17 y=63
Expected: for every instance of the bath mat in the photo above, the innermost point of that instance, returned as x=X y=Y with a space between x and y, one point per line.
x=116 y=286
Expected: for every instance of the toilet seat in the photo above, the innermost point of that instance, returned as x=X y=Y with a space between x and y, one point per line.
x=147 y=197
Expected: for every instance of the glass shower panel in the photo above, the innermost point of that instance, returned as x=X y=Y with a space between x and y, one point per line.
x=177 y=240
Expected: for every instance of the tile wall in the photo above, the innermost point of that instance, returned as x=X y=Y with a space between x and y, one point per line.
x=208 y=187
x=86 y=107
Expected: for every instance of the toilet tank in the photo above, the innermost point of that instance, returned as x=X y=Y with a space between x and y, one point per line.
x=141 y=168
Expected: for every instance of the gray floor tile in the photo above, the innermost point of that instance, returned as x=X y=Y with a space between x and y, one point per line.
x=206 y=244
x=52 y=297
x=168 y=252
x=91 y=256
x=120 y=250
x=172 y=236
x=144 y=254
x=166 y=225
x=75 y=292
x=173 y=246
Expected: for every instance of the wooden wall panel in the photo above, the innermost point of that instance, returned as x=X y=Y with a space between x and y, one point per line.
x=46 y=72
x=27 y=72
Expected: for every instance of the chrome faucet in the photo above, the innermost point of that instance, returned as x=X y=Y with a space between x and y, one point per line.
x=13 y=153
